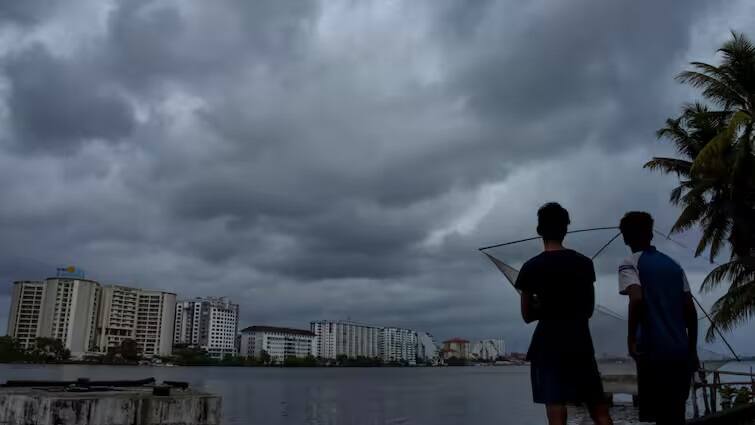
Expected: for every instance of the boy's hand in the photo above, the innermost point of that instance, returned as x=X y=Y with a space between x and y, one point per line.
x=633 y=352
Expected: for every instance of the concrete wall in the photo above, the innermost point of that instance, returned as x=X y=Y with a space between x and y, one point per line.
x=30 y=407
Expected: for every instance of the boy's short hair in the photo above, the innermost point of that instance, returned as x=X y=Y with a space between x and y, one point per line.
x=637 y=226
x=552 y=222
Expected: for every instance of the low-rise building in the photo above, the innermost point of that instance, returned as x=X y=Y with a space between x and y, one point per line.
x=456 y=348
x=279 y=343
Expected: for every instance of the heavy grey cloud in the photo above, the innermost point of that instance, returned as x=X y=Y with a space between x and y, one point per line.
x=334 y=159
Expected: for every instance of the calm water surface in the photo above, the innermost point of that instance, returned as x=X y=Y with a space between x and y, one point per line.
x=338 y=396
x=350 y=396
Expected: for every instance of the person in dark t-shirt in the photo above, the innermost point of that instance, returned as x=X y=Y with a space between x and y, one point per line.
x=556 y=288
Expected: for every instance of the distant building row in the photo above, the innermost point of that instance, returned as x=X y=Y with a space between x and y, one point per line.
x=487 y=349
x=89 y=318
x=329 y=339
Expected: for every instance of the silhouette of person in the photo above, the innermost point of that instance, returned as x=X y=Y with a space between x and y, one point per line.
x=557 y=291
x=662 y=335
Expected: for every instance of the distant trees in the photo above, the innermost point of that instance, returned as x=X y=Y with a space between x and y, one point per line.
x=44 y=350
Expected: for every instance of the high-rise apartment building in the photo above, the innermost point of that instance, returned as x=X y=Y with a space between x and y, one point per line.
x=25 y=311
x=427 y=349
x=69 y=313
x=488 y=349
x=117 y=317
x=398 y=345
x=143 y=315
x=209 y=323
x=154 y=322
x=334 y=338
x=279 y=343
x=89 y=318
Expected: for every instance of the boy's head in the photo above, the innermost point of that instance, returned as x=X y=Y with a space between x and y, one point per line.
x=552 y=222
x=637 y=229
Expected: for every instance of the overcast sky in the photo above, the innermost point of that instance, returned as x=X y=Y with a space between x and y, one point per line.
x=336 y=159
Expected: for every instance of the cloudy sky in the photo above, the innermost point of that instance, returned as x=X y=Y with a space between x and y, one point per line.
x=335 y=159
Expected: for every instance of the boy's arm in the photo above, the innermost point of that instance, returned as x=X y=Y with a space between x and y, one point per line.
x=690 y=319
x=635 y=312
x=529 y=312
x=629 y=285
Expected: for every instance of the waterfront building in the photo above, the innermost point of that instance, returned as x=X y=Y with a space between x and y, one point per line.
x=488 y=349
x=455 y=348
x=154 y=324
x=427 y=349
x=209 y=323
x=117 y=317
x=335 y=338
x=69 y=313
x=89 y=318
x=25 y=311
x=143 y=315
x=279 y=343
x=398 y=345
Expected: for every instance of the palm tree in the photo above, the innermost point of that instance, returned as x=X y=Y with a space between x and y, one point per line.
x=717 y=174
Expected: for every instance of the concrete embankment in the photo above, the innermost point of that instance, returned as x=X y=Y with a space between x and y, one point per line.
x=132 y=406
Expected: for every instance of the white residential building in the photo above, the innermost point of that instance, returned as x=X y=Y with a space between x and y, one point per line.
x=69 y=313
x=488 y=349
x=279 y=343
x=334 y=338
x=398 y=345
x=427 y=349
x=209 y=323
x=143 y=315
x=89 y=318
x=154 y=324
x=25 y=312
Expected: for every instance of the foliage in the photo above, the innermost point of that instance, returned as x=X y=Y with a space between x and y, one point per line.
x=359 y=361
x=716 y=188
x=308 y=361
x=188 y=355
x=49 y=350
x=10 y=350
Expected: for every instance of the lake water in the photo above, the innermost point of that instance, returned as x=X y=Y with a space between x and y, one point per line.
x=343 y=396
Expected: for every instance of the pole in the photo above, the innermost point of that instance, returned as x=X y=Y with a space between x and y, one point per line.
x=538 y=237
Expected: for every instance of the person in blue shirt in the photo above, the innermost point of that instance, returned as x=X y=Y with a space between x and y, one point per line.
x=662 y=334
x=556 y=288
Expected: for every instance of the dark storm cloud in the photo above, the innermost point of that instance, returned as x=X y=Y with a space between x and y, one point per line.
x=332 y=159
x=25 y=12
x=58 y=104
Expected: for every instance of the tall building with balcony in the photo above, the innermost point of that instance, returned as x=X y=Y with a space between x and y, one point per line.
x=143 y=315
x=334 y=338
x=25 y=312
x=208 y=323
x=279 y=343
x=398 y=345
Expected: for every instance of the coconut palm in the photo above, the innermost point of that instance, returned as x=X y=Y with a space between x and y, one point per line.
x=717 y=174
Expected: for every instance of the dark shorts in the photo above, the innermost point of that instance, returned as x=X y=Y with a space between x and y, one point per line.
x=574 y=382
x=663 y=387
